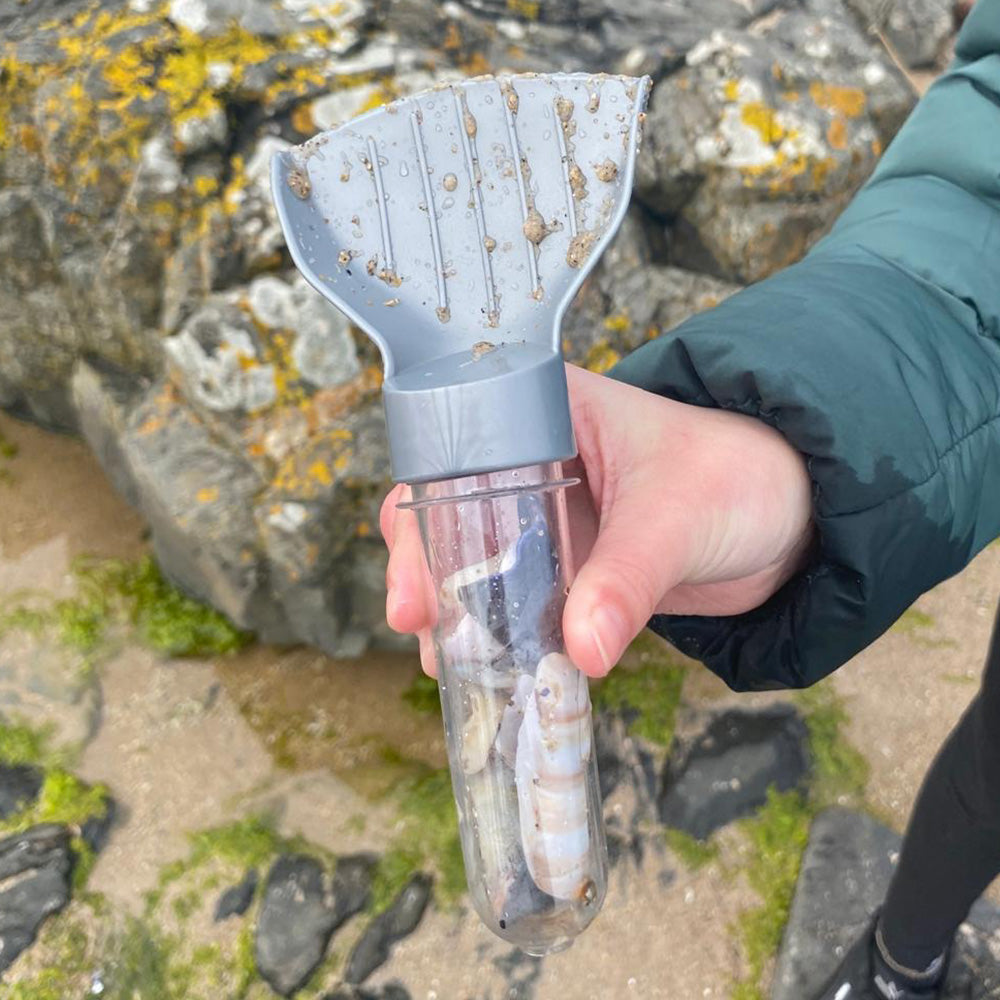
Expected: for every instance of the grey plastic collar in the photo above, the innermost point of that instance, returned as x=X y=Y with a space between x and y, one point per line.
x=478 y=411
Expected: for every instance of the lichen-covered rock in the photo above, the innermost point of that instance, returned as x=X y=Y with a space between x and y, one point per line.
x=148 y=297
x=756 y=143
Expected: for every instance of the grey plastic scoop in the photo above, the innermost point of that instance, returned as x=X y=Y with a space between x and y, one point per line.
x=454 y=227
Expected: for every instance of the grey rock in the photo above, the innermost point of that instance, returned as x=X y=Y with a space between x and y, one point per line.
x=295 y=923
x=400 y=919
x=755 y=144
x=918 y=30
x=96 y=828
x=236 y=900
x=45 y=683
x=19 y=787
x=35 y=869
x=352 y=885
x=390 y=991
x=728 y=769
x=843 y=879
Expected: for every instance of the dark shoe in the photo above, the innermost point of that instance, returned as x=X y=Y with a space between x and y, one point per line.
x=864 y=975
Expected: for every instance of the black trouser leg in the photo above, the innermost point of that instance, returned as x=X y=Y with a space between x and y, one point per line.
x=952 y=848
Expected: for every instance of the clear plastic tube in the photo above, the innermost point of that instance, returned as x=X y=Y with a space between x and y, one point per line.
x=516 y=710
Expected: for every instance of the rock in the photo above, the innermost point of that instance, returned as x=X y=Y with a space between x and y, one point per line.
x=755 y=144
x=295 y=923
x=918 y=30
x=19 y=787
x=399 y=920
x=352 y=885
x=728 y=769
x=35 y=869
x=96 y=828
x=45 y=683
x=390 y=991
x=261 y=511
x=236 y=900
x=844 y=877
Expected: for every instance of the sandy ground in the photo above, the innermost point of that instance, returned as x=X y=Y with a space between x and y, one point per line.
x=185 y=745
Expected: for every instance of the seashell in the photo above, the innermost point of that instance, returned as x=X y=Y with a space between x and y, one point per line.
x=510 y=721
x=470 y=642
x=520 y=602
x=479 y=730
x=553 y=747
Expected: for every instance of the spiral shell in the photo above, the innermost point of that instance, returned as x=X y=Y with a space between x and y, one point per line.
x=553 y=750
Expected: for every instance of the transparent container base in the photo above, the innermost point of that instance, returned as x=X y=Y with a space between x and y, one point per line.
x=516 y=709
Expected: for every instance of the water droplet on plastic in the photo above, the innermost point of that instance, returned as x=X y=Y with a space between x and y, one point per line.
x=546 y=135
x=448 y=202
x=404 y=170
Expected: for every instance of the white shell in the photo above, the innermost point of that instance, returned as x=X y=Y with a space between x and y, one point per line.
x=510 y=722
x=553 y=747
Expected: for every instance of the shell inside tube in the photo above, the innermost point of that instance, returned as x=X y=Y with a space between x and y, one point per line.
x=517 y=711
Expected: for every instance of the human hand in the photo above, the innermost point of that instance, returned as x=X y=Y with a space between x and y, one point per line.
x=687 y=510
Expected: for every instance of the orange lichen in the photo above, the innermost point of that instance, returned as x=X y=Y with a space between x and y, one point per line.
x=836 y=134
x=452 y=37
x=847 y=101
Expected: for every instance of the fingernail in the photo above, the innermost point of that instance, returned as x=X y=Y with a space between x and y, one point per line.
x=609 y=633
x=426 y=652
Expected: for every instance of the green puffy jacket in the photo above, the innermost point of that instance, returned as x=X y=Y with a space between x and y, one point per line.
x=878 y=358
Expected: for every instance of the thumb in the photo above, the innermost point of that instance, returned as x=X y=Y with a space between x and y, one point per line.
x=639 y=555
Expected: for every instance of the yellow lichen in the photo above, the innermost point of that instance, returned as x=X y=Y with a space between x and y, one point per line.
x=762 y=120
x=617 y=322
x=207 y=494
x=528 y=9
x=731 y=88
x=320 y=473
x=847 y=101
x=601 y=357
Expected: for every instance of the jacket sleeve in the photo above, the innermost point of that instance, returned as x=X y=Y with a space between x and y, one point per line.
x=878 y=357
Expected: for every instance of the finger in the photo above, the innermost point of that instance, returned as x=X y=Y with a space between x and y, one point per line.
x=387 y=515
x=642 y=546
x=410 y=602
x=428 y=659
x=637 y=558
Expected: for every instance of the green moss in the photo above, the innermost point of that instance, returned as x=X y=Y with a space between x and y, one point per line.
x=777 y=835
x=693 y=853
x=66 y=800
x=912 y=620
x=395 y=868
x=113 y=592
x=428 y=835
x=840 y=772
x=647 y=685
x=23 y=744
x=423 y=695
x=7 y=448
x=138 y=967
x=64 y=938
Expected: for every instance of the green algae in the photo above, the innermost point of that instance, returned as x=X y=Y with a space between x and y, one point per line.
x=423 y=695
x=778 y=834
x=646 y=686
x=112 y=593
x=693 y=853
